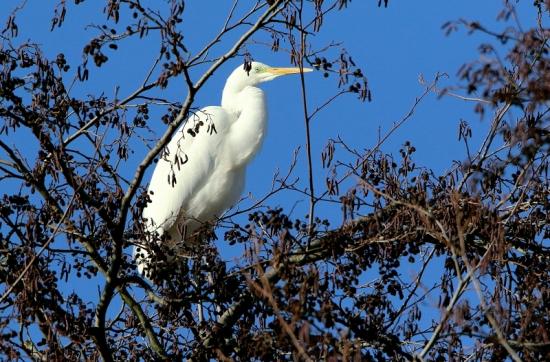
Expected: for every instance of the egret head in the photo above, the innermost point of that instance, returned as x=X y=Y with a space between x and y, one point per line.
x=258 y=73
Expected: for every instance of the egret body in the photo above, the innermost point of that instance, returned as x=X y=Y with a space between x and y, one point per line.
x=201 y=173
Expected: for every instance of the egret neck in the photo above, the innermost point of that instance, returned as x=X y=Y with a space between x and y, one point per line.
x=248 y=106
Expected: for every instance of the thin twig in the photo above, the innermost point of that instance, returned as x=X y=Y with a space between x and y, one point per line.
x=307 y=120
x=42 y=249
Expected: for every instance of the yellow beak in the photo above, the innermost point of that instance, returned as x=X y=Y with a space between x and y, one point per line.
x=283 y=71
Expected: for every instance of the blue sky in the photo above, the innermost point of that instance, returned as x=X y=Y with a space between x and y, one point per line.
x=393 y=46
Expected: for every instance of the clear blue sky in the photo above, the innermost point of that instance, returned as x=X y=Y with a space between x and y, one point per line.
x=392 y=45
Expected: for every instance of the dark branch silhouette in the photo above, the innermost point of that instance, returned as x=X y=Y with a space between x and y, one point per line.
x=304 y=288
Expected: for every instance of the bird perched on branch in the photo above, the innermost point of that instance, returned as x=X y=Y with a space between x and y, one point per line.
x=201 y=172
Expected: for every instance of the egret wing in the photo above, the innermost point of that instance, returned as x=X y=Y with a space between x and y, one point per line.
x=184 y=166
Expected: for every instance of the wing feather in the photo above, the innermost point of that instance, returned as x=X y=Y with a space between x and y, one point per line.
x=186 y=164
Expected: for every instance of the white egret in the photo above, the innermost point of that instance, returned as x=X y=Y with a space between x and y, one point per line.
x=202 y=171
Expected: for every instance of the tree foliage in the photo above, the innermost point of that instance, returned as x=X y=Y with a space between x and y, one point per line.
x=304 y=288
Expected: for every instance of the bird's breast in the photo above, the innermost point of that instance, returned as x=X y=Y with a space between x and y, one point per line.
x=221 y=191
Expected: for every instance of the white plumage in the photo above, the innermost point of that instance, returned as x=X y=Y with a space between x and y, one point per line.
x=201 y=173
